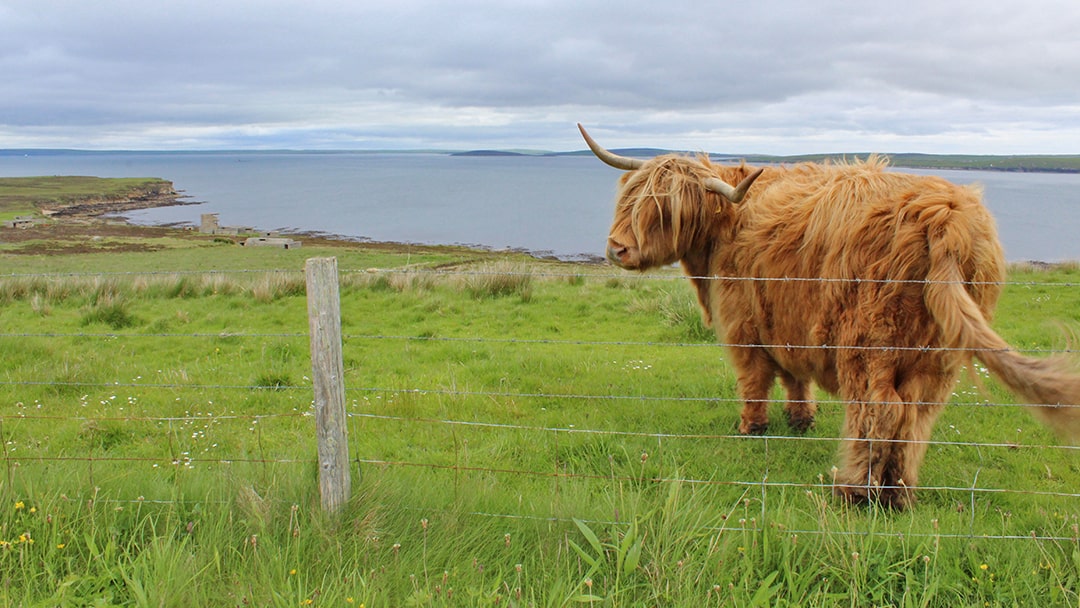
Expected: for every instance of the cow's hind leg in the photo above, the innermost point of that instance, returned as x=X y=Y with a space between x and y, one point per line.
x=870 y=454
x=885 y=441
x=800 y=406
x=926 y=393
x=886 y=436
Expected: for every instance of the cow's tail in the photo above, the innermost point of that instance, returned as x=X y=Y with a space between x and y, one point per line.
x=1050 y=385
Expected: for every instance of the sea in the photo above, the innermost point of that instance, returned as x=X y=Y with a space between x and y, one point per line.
x=557 y=206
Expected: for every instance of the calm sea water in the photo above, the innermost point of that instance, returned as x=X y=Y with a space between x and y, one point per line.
x=548 y=205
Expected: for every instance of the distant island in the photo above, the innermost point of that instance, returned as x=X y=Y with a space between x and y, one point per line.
x=490 y=153
x=1028 y=163
x=1034 y=163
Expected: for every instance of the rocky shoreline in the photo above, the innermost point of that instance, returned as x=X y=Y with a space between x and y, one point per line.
x=105 y=212
x=159 y=194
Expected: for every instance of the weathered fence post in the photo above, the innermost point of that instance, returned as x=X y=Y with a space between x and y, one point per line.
x=324 y=318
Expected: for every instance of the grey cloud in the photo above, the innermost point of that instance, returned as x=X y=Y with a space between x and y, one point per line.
x=425 y=73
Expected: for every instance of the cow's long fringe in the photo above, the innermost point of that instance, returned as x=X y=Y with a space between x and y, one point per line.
x=665 y=207
x=672 y=182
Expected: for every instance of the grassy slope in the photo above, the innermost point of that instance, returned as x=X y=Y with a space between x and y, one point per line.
x=24 y=195
x=186 y=481
x=180 y=253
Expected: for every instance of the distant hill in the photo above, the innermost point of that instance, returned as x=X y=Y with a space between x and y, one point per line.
x=489 y=153
x=632 y=152
x=1042 y=163
x=1048 y=163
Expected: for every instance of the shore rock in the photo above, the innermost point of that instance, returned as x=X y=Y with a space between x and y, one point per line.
x=159 y=194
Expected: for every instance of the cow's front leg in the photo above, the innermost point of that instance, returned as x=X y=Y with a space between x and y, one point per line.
x=800 y=406
x=756 y=374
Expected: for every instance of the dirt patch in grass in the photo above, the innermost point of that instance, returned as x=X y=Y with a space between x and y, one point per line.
x=84 y=236
x=69 y=236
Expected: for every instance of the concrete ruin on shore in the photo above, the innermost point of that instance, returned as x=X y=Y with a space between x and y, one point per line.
x=264 y=241
x=22 y=221
x=209 y=224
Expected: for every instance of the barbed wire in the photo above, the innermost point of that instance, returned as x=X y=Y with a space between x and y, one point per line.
x=763 y=484
x=522 y=395
x=657 y=276
x=736 y=528
x=677 y=277
x=569 y=430
x=793 y=531
x=134 y=273
x=112 y=335
x=157 y=419
x=572 y=430
x=512 y=395
x=190 y=461
x=542 y=341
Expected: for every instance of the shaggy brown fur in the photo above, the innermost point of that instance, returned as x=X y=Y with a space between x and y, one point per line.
x=912 y=270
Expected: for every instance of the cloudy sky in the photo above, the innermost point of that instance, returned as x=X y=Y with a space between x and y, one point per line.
x=770 y=76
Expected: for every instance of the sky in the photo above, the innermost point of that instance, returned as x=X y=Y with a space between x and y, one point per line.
x=770 y=76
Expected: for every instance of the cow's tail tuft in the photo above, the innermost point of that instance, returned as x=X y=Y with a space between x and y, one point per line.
x=1050 y=385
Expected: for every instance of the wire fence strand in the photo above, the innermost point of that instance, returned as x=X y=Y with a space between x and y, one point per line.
x=548 y=274
x=545 y=341
x=450 y=392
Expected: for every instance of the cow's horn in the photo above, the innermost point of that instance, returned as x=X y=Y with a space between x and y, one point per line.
x=619 y=162
x=736 y=194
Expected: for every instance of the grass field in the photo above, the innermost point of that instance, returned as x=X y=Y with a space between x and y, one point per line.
x=526 y=433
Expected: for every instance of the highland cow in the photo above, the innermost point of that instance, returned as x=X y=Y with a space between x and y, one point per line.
x=877 y=286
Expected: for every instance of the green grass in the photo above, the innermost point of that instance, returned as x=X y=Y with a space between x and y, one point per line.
x=525 y=434
x=15 y=211
x=173 y=254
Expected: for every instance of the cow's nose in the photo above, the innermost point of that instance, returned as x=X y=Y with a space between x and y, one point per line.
x=616 y=254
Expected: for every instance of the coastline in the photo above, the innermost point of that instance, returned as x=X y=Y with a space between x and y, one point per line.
x=160 y=194
x=331 y=237
x=96 y=216
x=103 y=232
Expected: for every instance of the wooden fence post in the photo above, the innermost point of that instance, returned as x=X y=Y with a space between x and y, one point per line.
x=324 y=318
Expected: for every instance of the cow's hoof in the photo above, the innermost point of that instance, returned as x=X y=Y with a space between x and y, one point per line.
x=801 y=424
x=754 y=428
x=856 y=495
x=896 y=499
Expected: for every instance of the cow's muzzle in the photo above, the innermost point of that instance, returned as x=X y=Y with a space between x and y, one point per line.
x=623 y=256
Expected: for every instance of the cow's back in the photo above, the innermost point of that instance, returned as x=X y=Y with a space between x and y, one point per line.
x=834 y=255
